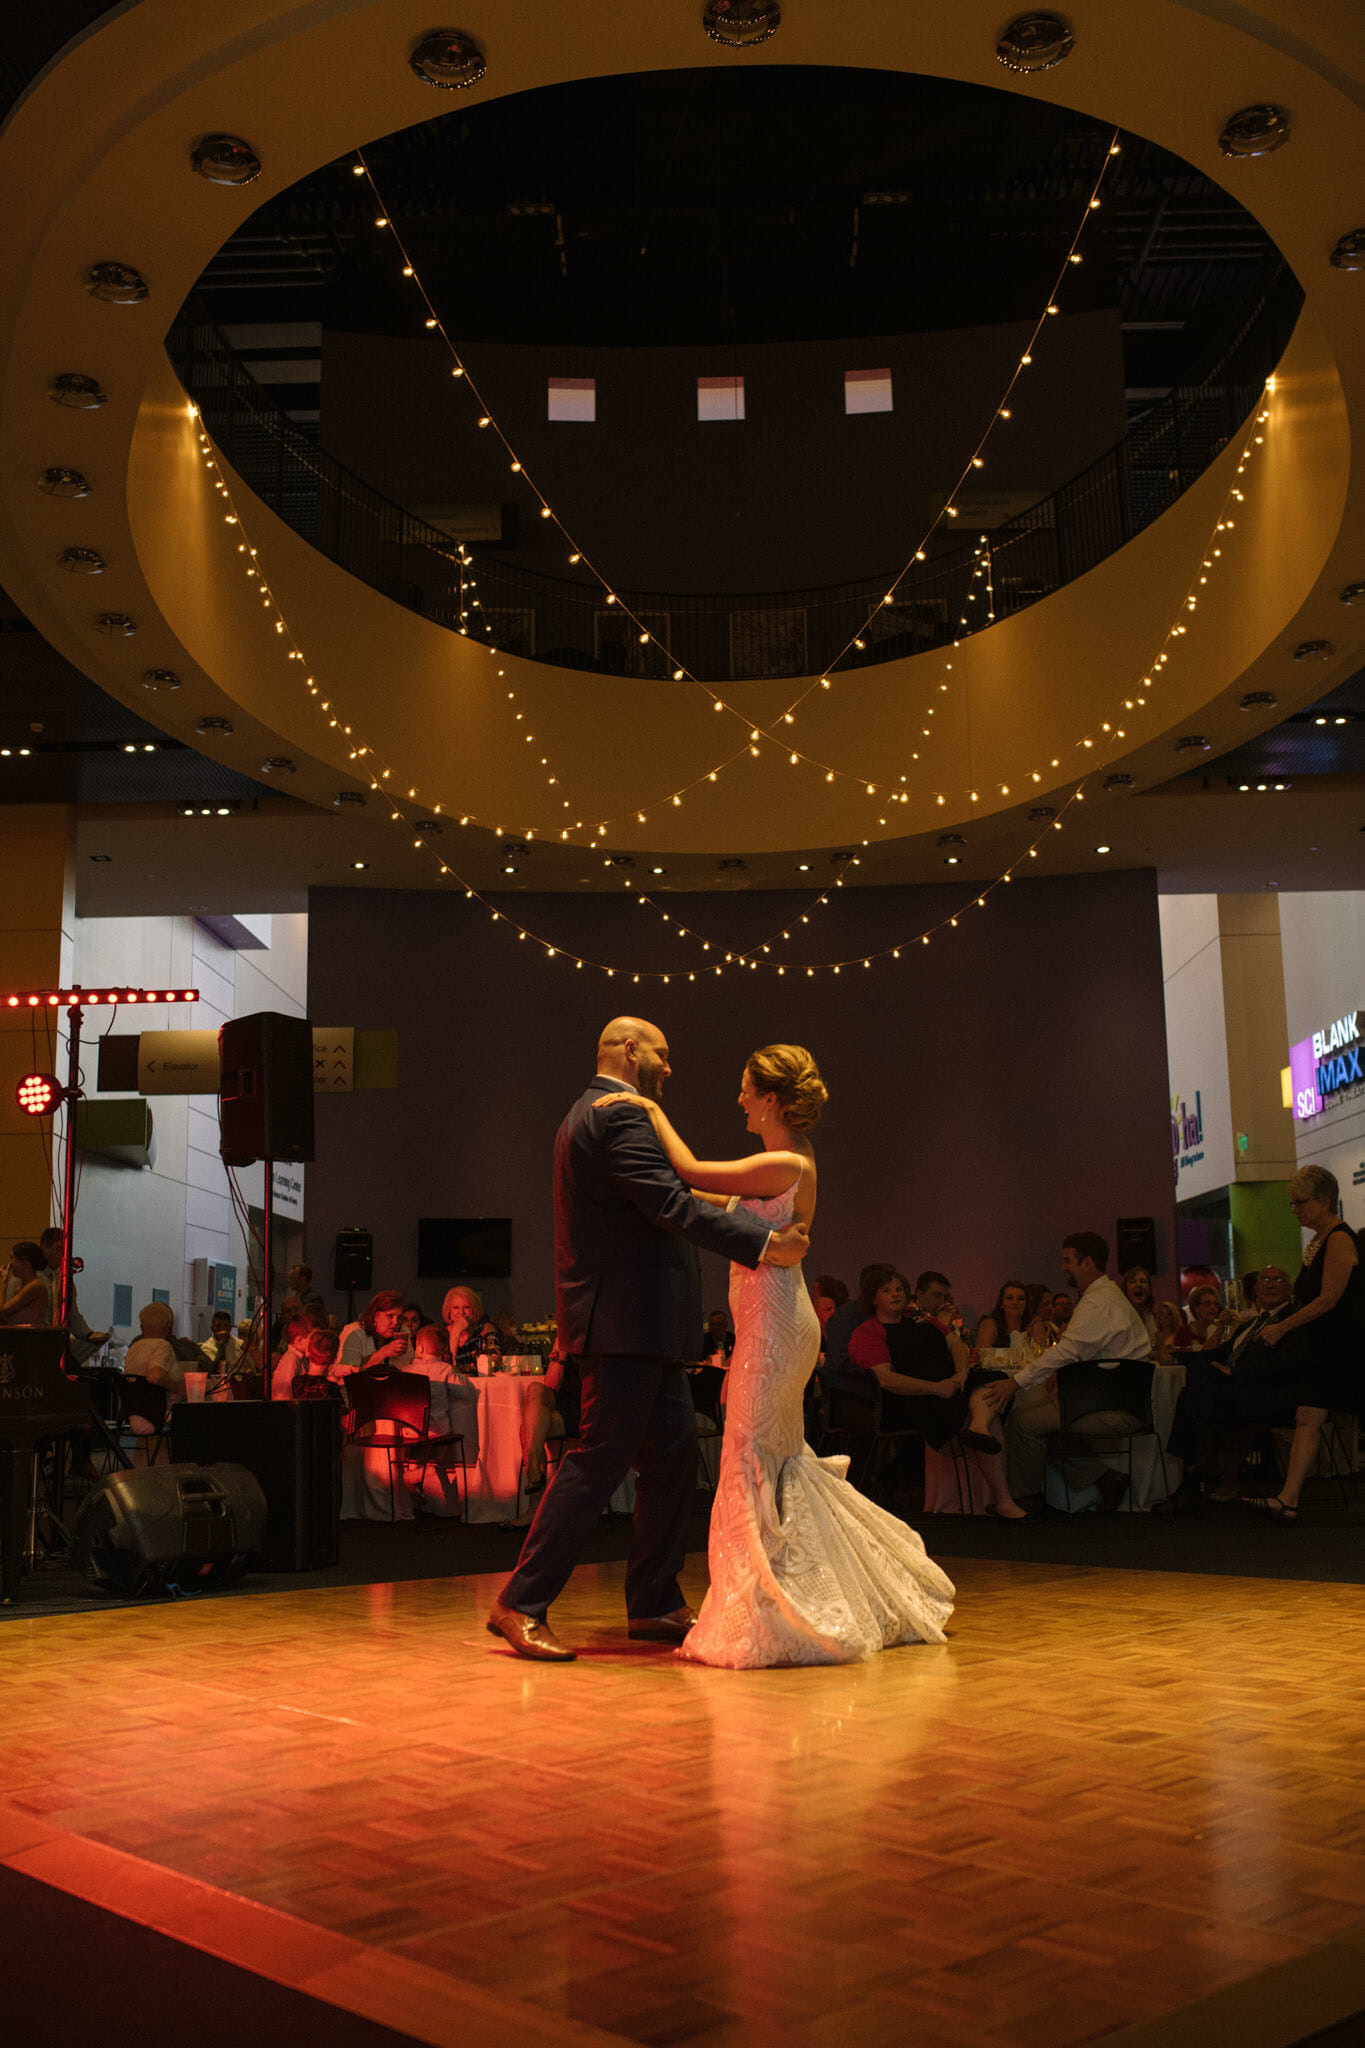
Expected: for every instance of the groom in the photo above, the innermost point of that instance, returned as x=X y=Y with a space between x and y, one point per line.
x=628 y=1302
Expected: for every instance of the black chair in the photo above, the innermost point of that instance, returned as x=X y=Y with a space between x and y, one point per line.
x=1100 y=1386
x=389 y=1411
x=707 y=1386
x=848 y=1412
x=141 y=1402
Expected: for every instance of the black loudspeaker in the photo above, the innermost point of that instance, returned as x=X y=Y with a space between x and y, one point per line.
x=266 y=1091
x=354 y=1260
x=170 y=1527
x=294 y=1449
x=1135 y=1243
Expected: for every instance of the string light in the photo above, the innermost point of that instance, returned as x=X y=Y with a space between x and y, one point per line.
x=578 y=556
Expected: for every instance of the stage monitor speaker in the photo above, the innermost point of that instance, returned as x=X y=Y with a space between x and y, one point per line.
x=294 y=1449
x=354 y=1260
x=170 y=1528
x=1135 y=1243
x=266 y=1093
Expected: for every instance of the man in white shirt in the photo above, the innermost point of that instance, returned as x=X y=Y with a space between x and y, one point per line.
x=1105 y=1326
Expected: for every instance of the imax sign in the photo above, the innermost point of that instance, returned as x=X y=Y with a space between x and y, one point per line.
x=1325 y=1065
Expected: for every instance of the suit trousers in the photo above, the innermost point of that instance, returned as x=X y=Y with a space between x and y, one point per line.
x=636 y=1413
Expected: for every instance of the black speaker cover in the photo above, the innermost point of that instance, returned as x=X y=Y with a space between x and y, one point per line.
x=1136 y=1243
x=354 y=1260
x=266 y=1092
x=170 y=1528
x=294 y=1450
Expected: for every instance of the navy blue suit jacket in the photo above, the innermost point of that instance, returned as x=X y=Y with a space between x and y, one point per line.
x=626 y=1276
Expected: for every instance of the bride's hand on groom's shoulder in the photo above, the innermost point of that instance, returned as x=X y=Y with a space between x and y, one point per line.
x=622 y=1095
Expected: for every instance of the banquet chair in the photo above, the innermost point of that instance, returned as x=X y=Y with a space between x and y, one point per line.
x=848 y=1418
x=1097 y=1386
x=144 y=1413
x=388 y=1411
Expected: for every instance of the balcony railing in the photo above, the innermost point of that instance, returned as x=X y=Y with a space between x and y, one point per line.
x=729 y=637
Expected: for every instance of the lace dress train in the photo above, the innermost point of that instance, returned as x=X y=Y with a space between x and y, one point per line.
x=804 y=1568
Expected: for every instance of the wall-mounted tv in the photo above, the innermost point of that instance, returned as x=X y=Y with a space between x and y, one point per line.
x=464 y=1247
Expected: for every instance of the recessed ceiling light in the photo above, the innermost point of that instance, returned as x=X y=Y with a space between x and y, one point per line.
x=101 y=856
x=658 y=871
x=1104 y=849
x=360 y=863
x=803 y=867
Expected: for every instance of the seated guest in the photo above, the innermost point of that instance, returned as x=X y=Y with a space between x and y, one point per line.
x=411 y=1321
x=1009 y=1316
x=1234 y=1388
x=152 y=1356
x=845 y=1320
x=29 y=1305
x=375 y=1337
x=293 y=1358
x=1169 y=1326
x=1042 y=1330
x=1205 y=1316
x=1326 y=1328
x=454 y=1411
x=221 y=1349
x=928 y=1381
x=468 y=1330
x=509 y=1333
x=319 y=1358
x=827 y=1294
x=1061 y=1310
x=718 y=1336
x=1137 y=1285
x=430 y=1342
x=1106 y=1326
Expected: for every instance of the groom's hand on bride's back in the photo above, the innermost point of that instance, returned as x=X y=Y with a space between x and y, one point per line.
x=786 y=1247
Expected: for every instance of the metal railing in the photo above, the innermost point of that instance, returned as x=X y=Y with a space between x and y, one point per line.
x=734 y=637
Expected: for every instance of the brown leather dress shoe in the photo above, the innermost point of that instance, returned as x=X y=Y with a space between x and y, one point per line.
x=664 y=1628
x=527 y=1636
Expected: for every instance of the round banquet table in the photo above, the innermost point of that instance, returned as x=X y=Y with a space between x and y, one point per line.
x=496 y=1492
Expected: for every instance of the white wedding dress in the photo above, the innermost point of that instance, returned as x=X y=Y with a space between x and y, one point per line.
x=804 y=1568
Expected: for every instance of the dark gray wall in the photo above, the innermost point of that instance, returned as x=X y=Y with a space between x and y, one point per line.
x=795 y=495
x=988 y=1093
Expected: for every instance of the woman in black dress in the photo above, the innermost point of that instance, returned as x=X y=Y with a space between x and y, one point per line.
x=1330 y=1292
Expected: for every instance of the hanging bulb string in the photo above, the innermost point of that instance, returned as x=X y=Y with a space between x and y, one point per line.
x=759 y=732
x=379 y=776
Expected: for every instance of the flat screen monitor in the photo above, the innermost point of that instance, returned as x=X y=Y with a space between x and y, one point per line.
x=464 y=1247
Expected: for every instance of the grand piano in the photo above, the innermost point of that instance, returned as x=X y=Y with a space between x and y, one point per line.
x=38 y=1398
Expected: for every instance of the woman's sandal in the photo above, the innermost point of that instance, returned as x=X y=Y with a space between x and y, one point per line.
x=1271 y=1508
x=995 y=1515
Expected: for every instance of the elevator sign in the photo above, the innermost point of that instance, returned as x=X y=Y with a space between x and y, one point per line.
x=1325 y=1065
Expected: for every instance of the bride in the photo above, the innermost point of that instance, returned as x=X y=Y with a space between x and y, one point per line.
x=804 y=1569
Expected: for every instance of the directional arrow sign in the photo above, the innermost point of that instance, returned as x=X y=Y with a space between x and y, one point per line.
x=334 y=1060
x=178 y=1063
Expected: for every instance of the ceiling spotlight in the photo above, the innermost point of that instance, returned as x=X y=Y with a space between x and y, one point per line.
x=1354 y=593
x=277 y=764
x=1035 y=42
x=1118 y=781
x=160 y=679
x=214 y=728
x=1314 y=650
x=1040 y=812
x=1104 y=849
x=101 y=857
x=447 y=57
x=347 y=796
x=740 y=24
x=1192 y=743
x=1349 y=253
x=73 y=388
x=658 y=871
x=951 y=860
x=117 y=625
x=358 y=864
x=118 y=284
x=64 y=483
x=225 y=160
x=1257 y=700
x=82 y=561
x=1255 y=131
x=435 y=825
x=803 y=867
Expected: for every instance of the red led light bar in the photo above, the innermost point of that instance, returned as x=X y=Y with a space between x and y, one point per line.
x=54 y=998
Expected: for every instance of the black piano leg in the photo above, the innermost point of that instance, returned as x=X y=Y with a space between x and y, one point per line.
x=11 y=1525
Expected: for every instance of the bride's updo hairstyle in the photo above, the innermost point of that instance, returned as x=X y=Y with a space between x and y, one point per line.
x=789 y=1073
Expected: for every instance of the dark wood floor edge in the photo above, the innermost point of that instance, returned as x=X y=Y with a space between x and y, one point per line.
x=1277 y=2008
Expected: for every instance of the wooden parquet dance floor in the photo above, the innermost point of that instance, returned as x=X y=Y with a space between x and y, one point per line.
x=1109 y=1796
